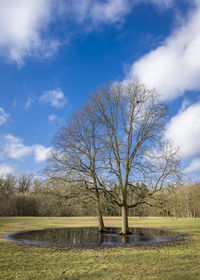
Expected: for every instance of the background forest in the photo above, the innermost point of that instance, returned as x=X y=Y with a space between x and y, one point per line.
x=27 y=196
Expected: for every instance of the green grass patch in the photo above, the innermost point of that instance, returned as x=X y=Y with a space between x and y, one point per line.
x=181 y=261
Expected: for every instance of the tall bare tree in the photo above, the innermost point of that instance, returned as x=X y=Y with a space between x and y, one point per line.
x=137 y=160
x=77 y=154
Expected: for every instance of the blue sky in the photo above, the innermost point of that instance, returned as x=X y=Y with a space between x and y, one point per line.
x=53 y=53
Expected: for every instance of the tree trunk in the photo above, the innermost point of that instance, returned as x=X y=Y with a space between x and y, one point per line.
x=98 y=207
x=99 y=216
x=125 y=229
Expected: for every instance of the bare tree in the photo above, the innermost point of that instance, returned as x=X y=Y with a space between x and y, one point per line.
x=137 y=160
x=7 y=184
x=76 y=156
x=24 y=182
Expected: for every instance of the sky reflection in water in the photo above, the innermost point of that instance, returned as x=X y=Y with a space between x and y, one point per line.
x=90 y=236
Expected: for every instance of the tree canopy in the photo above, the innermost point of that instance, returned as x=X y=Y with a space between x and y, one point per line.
x=115 y=145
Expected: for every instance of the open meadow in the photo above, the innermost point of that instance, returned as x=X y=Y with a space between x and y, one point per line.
x=181 y=261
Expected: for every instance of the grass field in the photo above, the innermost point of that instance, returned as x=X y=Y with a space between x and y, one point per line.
x=20 y=262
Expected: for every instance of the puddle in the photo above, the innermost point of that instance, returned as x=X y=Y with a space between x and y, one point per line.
x=89 y=236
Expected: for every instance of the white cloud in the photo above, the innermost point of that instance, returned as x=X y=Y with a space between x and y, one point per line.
x=6 y=169
x=29 y=102
x=162 y=4
x=52 y=117
x=13 y=147
x=14 y=103
x=3 y=116
x=184 y=130
x=173 y=67
x=41 y=153
x=22 y=23
x=55 y=97
x=165 y=3
x=25 y=24
x=184 y=105
x=193 y=166
x=110 y=11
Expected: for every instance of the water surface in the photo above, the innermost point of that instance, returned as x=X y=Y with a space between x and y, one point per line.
x=89 y=236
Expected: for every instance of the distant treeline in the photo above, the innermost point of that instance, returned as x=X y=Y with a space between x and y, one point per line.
x=26 y=196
